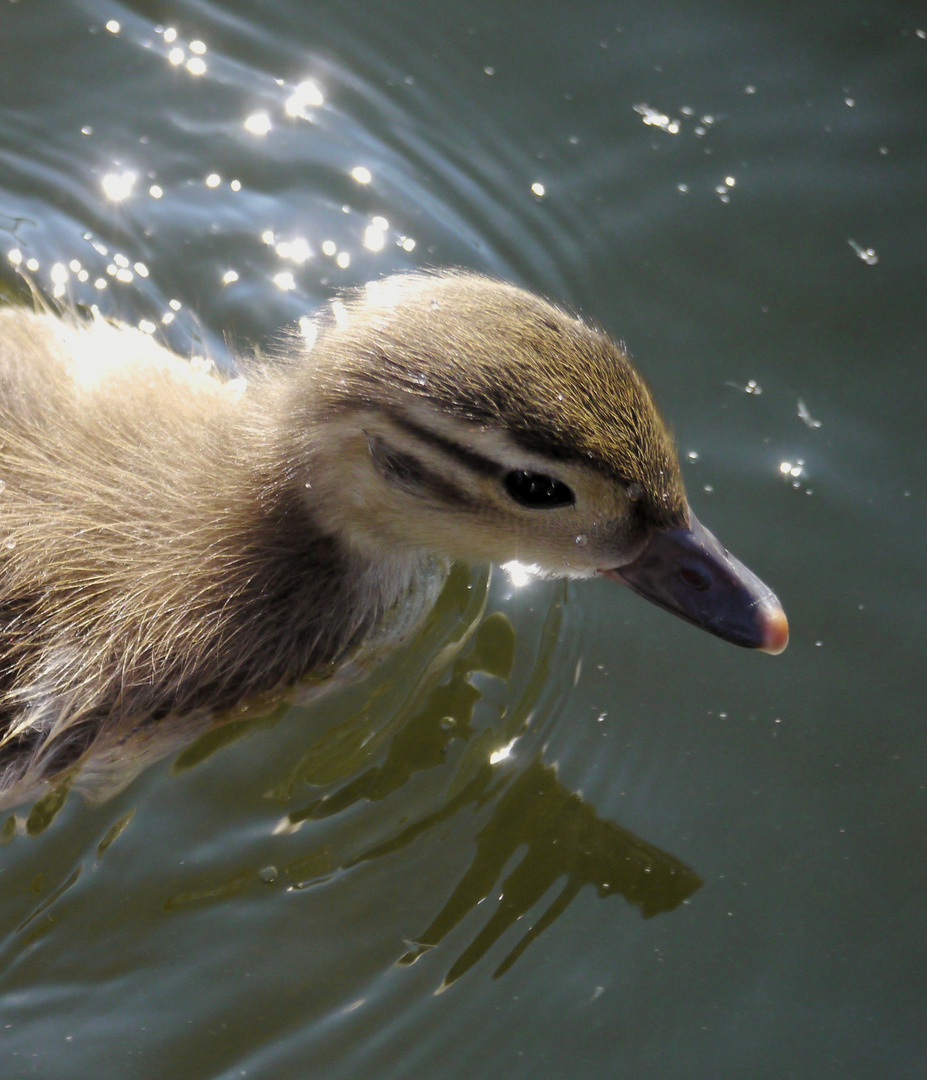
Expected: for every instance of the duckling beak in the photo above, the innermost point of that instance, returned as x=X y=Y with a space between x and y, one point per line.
x=690 y=574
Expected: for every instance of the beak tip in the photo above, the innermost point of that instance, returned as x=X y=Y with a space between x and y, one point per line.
x=775 y=631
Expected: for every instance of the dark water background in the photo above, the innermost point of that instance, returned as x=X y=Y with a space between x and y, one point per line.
x=695 y=861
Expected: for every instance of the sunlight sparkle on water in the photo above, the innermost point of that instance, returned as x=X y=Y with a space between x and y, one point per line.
x=118 y=186
x=59 y=275
x=77 y=269
x=654 y=118
x=297 y=250
x=502 y=753
x=361 y=174
x=258 y=123
x=307 y=95
x=374 y=238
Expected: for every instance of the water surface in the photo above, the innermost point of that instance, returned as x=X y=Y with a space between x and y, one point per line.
x=693 y=860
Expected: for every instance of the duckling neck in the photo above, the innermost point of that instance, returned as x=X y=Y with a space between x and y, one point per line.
x=211 y=580
x=289 y=594
x=310 y=576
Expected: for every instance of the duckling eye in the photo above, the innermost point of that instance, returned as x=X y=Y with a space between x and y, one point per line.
x=537 y=491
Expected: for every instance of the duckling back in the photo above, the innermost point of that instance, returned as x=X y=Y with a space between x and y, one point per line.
x=153 y=559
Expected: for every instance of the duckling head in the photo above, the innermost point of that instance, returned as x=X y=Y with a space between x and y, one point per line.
x=454 y=414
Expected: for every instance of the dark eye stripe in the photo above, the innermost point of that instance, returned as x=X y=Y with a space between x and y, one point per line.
x=406 y=471
x=484 y=466
x=529 y=489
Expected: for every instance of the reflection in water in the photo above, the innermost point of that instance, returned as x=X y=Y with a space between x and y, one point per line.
x=560 y=835
x=433 y=629
x=423 y=740
x=563 y=836
x=34 y=925
x=45 y=810
x=414 y=714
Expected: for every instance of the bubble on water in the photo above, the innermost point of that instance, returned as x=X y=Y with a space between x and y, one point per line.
x=805 y=416
x=867 y=254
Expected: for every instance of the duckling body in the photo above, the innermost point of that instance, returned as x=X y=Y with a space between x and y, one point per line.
x=156 y=554
x=173 y=542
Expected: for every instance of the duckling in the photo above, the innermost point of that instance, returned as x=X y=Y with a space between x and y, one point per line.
x=173 y=542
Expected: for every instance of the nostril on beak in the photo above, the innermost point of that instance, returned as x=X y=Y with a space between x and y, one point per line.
x=695 y=579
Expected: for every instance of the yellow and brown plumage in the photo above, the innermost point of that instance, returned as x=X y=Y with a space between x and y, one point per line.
x=173 y=542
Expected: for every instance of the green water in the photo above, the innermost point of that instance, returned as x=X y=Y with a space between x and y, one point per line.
x=558 y=833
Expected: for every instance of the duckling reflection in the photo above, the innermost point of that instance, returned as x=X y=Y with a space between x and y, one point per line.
x=418 y=742
x=523 y=810
x=172 y=543
x=560 y=839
